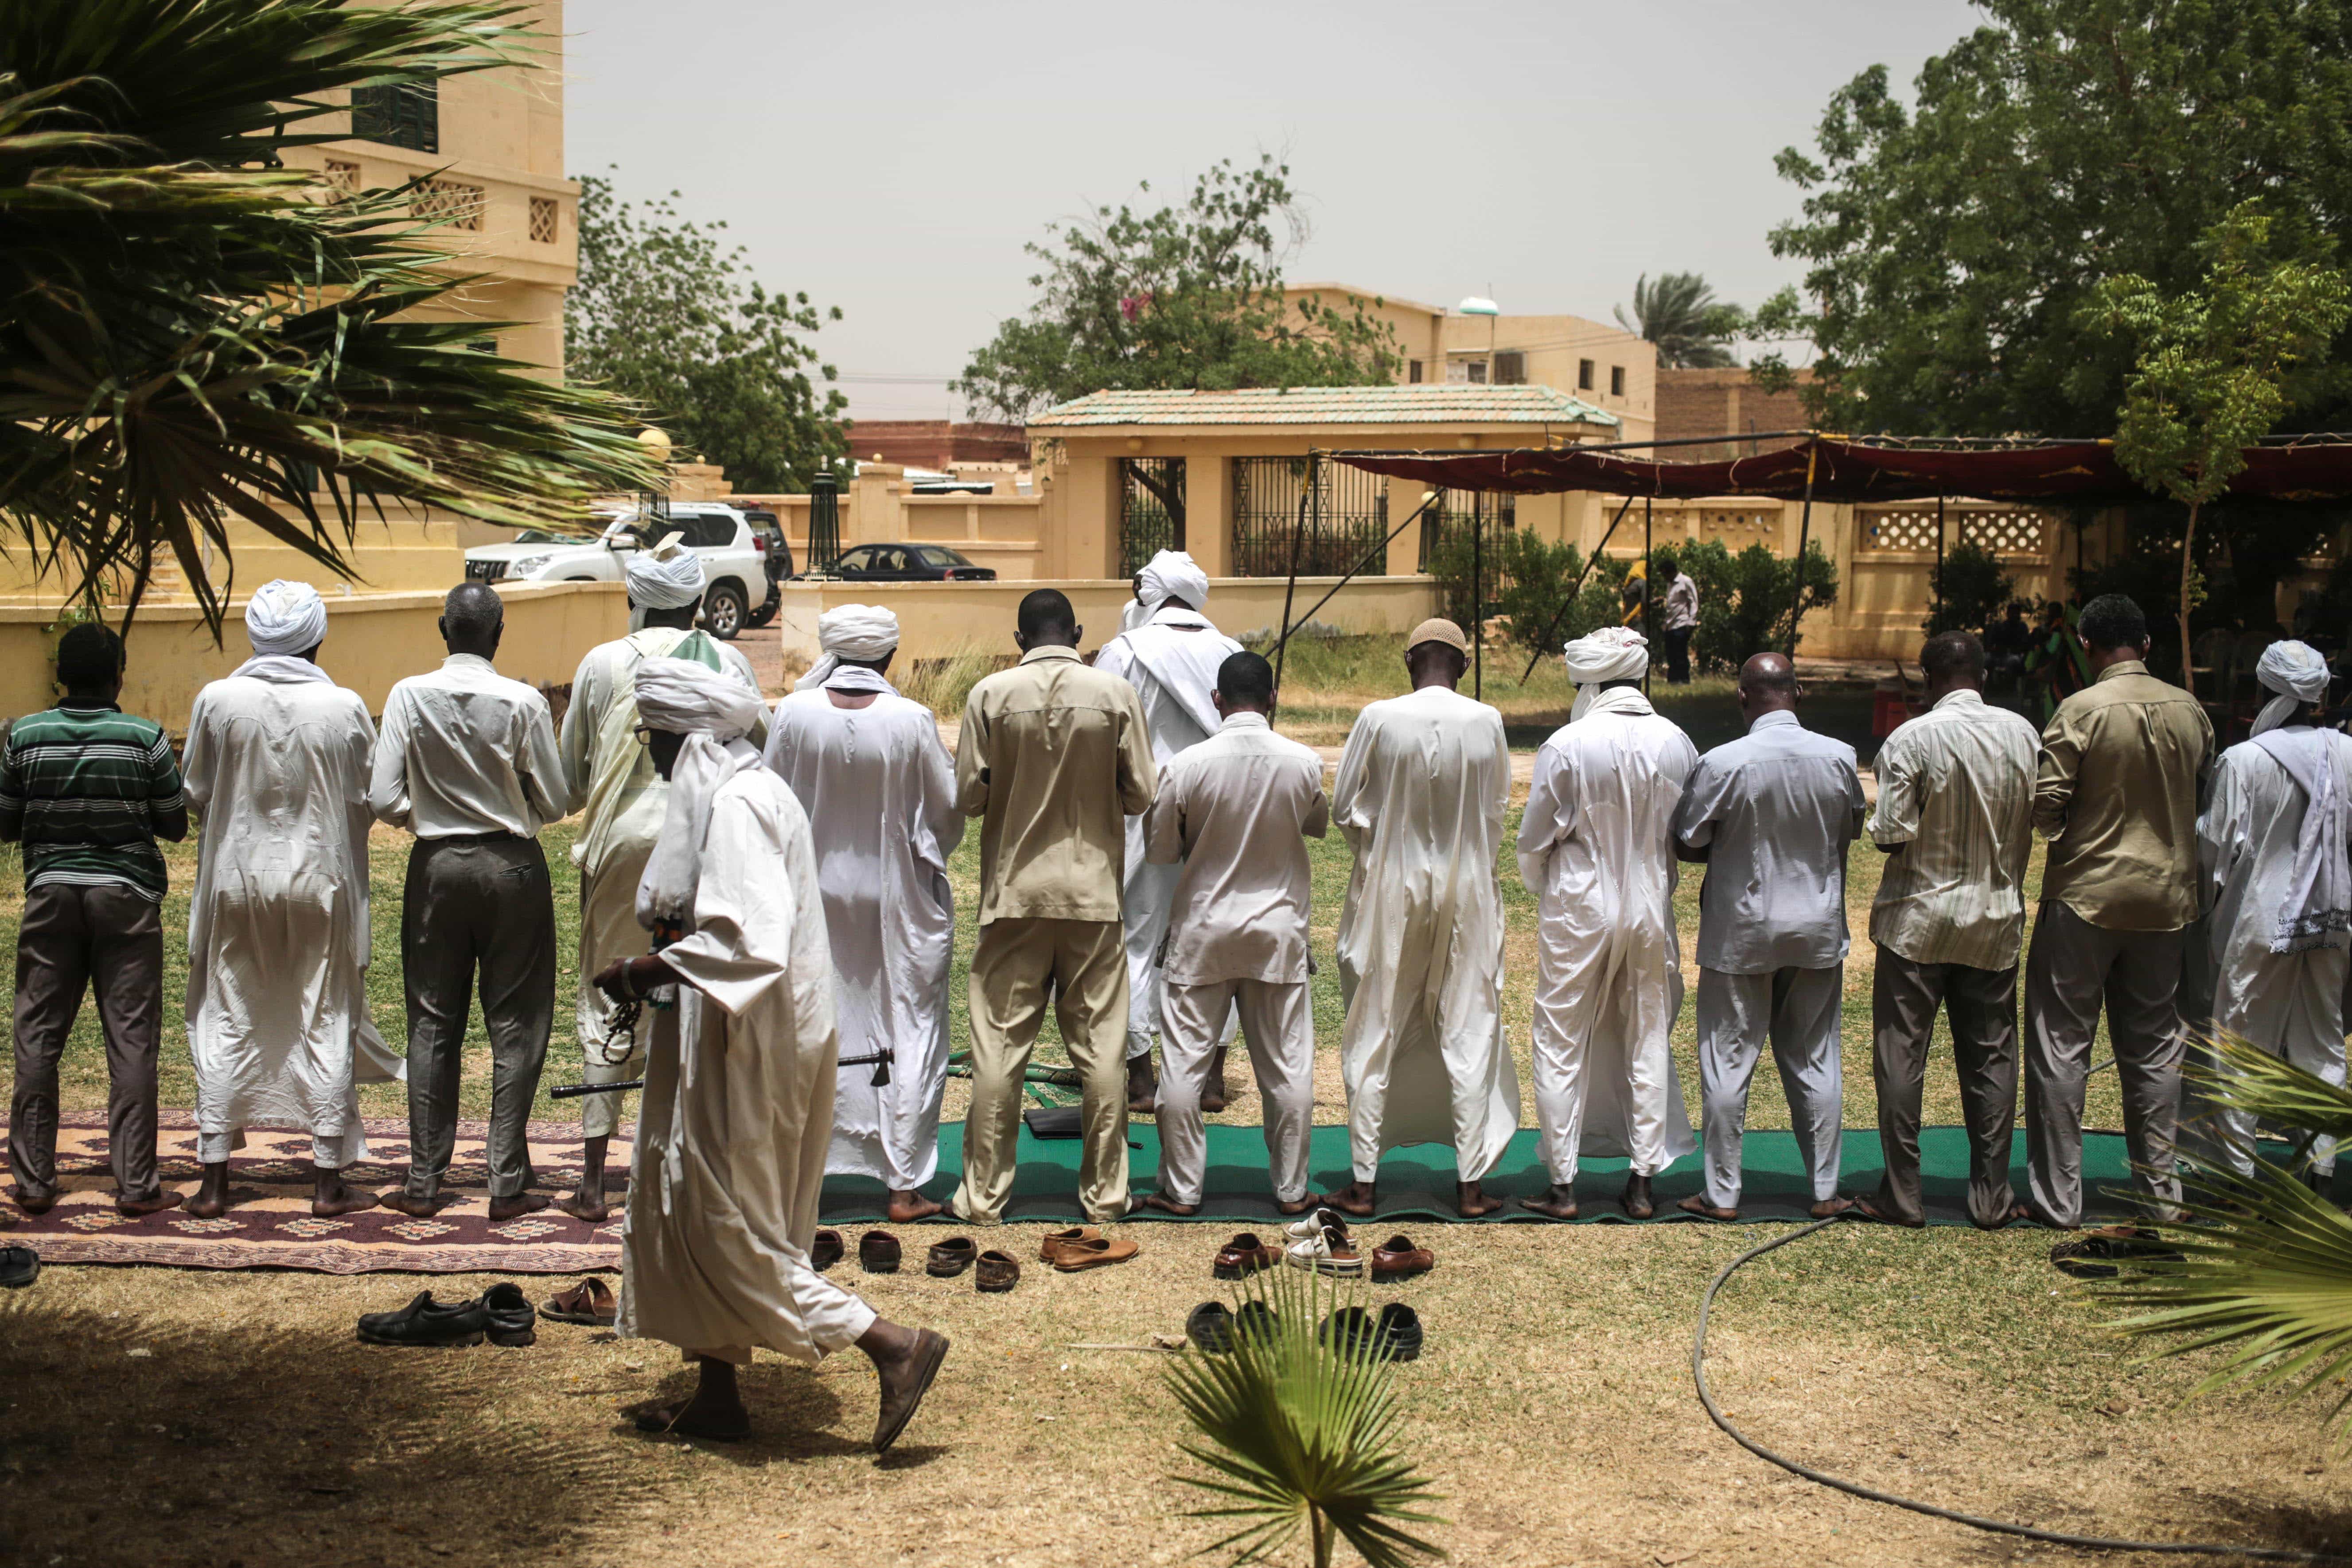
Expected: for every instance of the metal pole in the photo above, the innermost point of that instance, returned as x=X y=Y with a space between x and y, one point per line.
x=1649 y=588
x=1292 y=588
x=1428 y=501
x=1575 y=588
x=1479 y=594
x=1804 y=532
x=1939 y=562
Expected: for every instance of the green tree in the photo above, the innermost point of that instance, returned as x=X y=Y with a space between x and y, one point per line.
x=1681 y=317
x=2212 y=365
x=191 y=332
x=1187 y=296
x=665 y=314
x=1744 y=599
x=1969 y=590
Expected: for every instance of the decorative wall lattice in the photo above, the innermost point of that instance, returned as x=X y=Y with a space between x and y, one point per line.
x=2003 y=529
x=543 y=212
x=451 y=201
x=1895 y=528
x=343 y=174
x=2006 y=530
x=1736 y=528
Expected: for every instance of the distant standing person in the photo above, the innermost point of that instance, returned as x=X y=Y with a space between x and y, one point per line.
x=1681 y=615
x=87 y=789
x=2116 y=792
x=1956 y=819
x=467 y=763
x=1771 y=815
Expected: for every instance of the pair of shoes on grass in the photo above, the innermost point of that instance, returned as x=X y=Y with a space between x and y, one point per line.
x=501 y=1314
x=1395 y=1335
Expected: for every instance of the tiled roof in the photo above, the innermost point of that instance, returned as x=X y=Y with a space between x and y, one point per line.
x=1423 y=404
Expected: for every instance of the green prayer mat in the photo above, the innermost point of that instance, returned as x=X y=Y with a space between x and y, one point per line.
x=1417 y=1182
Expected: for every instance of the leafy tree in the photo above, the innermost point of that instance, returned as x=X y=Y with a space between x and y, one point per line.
x=2209 y=377
x=1969 y=590
x=663 y=313
x=1744 y=599
x=191 y=332
x=1680 y=315
x=1187 y=296
x=1527 y=578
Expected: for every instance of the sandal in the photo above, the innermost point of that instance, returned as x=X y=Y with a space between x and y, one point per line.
x=590 y=1302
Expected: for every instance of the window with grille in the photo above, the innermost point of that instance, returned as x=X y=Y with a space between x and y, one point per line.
x=1616 y=380
x=1412 y=371
x=1584 y=375
x=1151 y=510
x=1511 y=369
x=343 y=176
x=452 y=203
x=1345 y=521
x=542 y=220
x=405 y=114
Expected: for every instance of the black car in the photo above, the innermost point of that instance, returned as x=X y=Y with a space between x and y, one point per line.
x=909 y=564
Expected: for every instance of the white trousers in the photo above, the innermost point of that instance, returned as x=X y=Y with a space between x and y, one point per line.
x=334 y=1153
x=824 y=1318
x=609 y=929
x=1604 y=1064
x=1797 y=1010
x=1277 y=1020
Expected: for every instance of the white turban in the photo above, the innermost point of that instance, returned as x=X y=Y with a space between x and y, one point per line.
x=1612 y=653
x=285 y=618
x=2297 y=673
x=1171 y=574
x=666 y=577
x=862 y=632
x=714 y=711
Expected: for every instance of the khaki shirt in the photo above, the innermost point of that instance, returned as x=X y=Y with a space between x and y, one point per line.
x=2115 y=792
x=1054 y=757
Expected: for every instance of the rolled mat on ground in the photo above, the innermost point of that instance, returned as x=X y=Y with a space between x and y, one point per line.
x=272 y=1227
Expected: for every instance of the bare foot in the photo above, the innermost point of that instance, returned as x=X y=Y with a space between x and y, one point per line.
x=402 y=1201
x=1829 y=1208
x=1471 y=1202
x=154 y=1202
x=1559 y=1202
x=1356 y=1198
x=331 y=1195
x=587 y=1205
x=1639 y=1204
x=1301 y=1206
x=518 y=1205
x=1169 y=1205
x=904 y=1208
x=1697 y=1204
x=1214 y=1095
x=1868 y=1209
x=715 y=1412
x=211 y=1200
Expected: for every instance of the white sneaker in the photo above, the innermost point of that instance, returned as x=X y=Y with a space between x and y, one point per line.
x=1327 y=1251
x=1313 y=1222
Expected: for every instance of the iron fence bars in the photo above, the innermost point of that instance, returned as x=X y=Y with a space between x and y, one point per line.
x=1457 y=510
x=1150 y=509
x=1351 y=515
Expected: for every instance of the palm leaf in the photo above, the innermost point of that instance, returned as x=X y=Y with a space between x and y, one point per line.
x=1300 y=1435
x=2243 y=1077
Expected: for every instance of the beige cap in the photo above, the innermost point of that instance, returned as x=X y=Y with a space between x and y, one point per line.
x=1439 y=630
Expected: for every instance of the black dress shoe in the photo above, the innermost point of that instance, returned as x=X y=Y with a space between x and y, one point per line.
x=826 y=1250
x=19 y=1266
x=1211 y=1327
x=426 y=1321
x=878 y=1252
x=508 y=1314
x=1350 y=1331
x=1399 y=1332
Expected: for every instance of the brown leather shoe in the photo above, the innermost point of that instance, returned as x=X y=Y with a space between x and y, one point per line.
x=878 y=1252
x=826 y=1250
x=1058 y=1239
x=1399 y=1258
x=1074 y=1255
x=1244 y=1256
x=951 y=1257
x=995 y=1272
x=930 y=1349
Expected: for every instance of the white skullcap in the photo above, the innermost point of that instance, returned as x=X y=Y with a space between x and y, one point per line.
x=1173 y=574
x=666 y=577
x=861 y=632
x=285 y=618
x=2298 y=674
x=1612 y=653
x=688 y=698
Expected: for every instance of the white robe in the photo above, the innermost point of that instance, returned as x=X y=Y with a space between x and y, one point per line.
x=1596 y=849
x=613 y=783
x=1422 y=786
x=731 y=1140
x=2289 y=1004
x=880 y=791
x=278 y=939
x=1172 y=661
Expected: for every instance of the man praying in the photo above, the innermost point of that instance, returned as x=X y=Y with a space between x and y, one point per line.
x=613 y=784
x=1172 y=659
x=1053 y=757
x=467 y=762
x=1422 y=786
x=277 y=768
x=1596 y=852
x=738 y=1112
x=1770 y=814
x=867 y=767
x=1234 y=814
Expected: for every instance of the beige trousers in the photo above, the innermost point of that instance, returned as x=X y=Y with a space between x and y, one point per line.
x=1016 y=965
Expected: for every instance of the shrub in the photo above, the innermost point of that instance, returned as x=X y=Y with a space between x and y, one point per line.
x=1527 y=578
x=1969 y=589
x=1743 y=600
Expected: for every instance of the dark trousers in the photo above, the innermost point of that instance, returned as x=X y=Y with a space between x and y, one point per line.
x=1677 y=640
x=2071 y=968
x=476 y=907
x=106 y=937
x=1982 y=1006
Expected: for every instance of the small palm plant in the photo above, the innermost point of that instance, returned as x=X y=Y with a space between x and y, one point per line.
x=1301 y=1434
x=2264 y=1264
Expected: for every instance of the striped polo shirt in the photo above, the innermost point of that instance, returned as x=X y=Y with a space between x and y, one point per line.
x=79 y=787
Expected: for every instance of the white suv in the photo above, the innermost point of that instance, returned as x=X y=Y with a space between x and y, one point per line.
x=734 y=559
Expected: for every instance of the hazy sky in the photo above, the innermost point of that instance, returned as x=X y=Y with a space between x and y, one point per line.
x=892 y=159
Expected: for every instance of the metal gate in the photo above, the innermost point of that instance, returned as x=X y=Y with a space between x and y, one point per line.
x=1348 y=518
x=1455 y=511
x=1150 y=509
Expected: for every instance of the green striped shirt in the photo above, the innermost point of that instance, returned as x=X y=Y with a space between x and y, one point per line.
x=80 y=786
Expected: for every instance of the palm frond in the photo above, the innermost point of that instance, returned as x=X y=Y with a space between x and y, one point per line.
x=1301 y=1434
x=2243 y=1077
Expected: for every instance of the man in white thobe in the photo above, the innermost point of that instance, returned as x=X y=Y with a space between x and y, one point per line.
x=1422 y=787
x=613 y=785
x=1771 y=815
x=867 y=767
x=732 y=1143
x=279 y=941
x=1172 y=661
x=1235 y=813
x=1596 y=851
x=2272 y=851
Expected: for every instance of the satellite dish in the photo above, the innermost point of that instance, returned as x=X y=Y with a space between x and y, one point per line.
x=1476 y=306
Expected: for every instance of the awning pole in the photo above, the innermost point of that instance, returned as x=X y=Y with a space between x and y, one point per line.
x=1804 y=532
x=1290 y=589
x=1380 y=549
x=1649 y=586
x=1478 y=595
x=1939 y=562
x=1577 y=587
